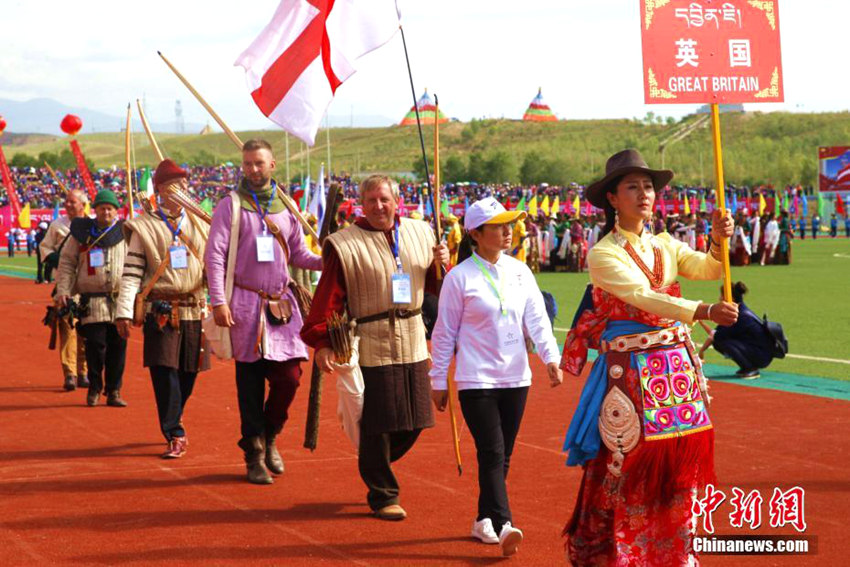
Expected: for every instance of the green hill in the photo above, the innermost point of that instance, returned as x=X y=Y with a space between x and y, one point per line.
x=779 y=148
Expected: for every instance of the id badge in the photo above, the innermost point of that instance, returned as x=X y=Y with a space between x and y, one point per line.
x=510 y=335
x=96 y=258
x=265 y=248
x=179 y=260
x=402 y=293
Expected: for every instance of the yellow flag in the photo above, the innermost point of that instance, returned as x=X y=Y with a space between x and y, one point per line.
x=762 y=204
x=544 y=205
x=687 y=205
x=24 y=217
x=532 y=206
x=576 y=206
x=87 y=209
x=556 y=206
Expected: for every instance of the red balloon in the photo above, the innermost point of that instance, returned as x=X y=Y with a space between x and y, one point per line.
x=71 y=124
x=2 y=124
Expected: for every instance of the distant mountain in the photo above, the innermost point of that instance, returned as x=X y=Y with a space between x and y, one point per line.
x=43 y=115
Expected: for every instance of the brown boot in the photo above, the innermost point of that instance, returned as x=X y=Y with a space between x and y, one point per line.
x=273 y=460
x=255 y=450
x=114 y=399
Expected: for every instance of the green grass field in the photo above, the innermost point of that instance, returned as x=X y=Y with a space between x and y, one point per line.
x=809 y=298
x=752 y=142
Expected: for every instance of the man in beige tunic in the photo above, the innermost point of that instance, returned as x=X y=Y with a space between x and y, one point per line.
x=164 y=279
x=378 y=269
x=91 y=264
x=72 y=353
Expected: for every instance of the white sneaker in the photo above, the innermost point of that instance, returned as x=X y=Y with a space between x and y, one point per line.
x=483 y=531
x=510 y=538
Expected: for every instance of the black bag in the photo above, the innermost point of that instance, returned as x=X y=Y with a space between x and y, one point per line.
x=777 y=335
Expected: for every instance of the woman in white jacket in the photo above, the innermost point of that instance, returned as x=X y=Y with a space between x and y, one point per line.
x=488 y=303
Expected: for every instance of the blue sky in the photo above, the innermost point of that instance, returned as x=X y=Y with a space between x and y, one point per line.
x=483 y=58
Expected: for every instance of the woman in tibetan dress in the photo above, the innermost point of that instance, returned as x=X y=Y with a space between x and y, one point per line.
x=642 y=429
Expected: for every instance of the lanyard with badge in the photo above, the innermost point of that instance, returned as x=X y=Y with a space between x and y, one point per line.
x=265 y=241
x=177 y=252
x=402 y=292
x=509 y=332
x=97 y=258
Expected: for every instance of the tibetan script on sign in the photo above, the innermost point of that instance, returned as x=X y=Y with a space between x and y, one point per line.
x=711 y=51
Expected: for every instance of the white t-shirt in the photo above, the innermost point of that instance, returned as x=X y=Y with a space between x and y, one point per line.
x=470 y=319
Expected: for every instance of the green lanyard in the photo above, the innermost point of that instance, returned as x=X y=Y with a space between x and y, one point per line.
x=499 y=291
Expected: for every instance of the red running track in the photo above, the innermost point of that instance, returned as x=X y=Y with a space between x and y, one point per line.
x=85 y=486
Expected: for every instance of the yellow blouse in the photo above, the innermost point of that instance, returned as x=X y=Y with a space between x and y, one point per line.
x=612 y=269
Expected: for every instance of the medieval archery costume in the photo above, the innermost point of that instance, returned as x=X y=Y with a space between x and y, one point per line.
x=379 y=277
x=91 y=264
x=642 y=430
x=163 y=289
x=266 y=318
x=72 y=352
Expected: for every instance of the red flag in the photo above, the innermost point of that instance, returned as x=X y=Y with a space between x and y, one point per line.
x=305 y=53
x=84 y=169
x=839 y=205
x=662 y=207
x=10 y=187
x=676 y=209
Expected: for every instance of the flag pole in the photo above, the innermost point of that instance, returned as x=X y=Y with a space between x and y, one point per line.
x=450 y=383
x=129 y=183
x=328 y=136
x=419 y=126
x=436 y=235
x=720 y=194
x=54 y=176
x=436 y=188
x=286 y=137
x=287 y=200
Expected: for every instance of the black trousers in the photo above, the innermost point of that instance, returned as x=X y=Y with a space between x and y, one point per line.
x=493 y=417
x=172 y=389
x=40 y=265
x=258 y=414
x=377 y=453
x=742 y=354
x=104 y=348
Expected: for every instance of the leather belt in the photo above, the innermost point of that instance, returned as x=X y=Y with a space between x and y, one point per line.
x=391 y=314
x=643 y=341
x=261 y=293
x=181 y=299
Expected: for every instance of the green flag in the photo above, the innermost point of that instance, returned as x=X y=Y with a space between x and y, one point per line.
x=820 y=204
x=521 y=205
x=703 y=207
x=785 y=203
x=444 y=208
x=207 y=205
x=146 y=184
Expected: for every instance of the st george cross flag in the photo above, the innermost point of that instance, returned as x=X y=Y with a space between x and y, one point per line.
x=307 y=51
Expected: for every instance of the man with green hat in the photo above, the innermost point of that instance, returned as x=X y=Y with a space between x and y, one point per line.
x=91 y=264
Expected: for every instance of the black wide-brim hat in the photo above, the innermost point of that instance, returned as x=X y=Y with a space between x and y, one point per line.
x=620 y=164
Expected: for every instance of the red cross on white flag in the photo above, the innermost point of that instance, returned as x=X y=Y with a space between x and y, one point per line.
x=307 y=51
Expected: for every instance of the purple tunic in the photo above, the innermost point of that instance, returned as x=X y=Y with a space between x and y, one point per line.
x=283 y=341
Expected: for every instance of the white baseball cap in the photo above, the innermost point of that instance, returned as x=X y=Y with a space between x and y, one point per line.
x=489 y=211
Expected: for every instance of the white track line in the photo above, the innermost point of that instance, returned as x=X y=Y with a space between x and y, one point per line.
x=789 y=355
x=18 y=268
